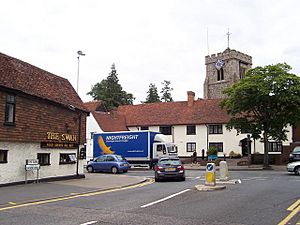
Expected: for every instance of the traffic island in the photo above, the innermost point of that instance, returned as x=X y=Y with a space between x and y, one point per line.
x=209 y=188
x=233 y=181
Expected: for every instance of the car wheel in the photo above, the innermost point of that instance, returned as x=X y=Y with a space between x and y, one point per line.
x=183 y=179
x=90 y=169
x=125 y=171
x=114 y=170
x=297 y=170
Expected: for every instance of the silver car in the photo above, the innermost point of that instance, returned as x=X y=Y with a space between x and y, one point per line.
x=294 y=167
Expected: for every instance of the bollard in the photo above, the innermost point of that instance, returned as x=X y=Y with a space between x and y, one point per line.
x=210 y=175
x=223 y=171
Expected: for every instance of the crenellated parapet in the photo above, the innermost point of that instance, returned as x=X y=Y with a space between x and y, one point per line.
x=227 y=55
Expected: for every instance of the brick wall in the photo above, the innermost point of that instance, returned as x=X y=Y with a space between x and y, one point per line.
x=35 y=117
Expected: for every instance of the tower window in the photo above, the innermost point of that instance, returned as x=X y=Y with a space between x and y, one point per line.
x=220 y=74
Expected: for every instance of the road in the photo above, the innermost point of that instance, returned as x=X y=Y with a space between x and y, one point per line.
x=263 y=197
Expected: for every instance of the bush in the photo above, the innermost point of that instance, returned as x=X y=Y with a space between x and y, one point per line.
x=212 y=150
x=234 y=155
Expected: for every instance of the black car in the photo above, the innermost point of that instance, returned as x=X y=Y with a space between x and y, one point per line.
x=170 y=167
x=295 y=154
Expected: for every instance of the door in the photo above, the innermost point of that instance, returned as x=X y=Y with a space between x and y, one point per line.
x=243 y=144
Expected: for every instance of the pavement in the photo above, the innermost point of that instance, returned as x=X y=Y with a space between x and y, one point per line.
x=32 y=192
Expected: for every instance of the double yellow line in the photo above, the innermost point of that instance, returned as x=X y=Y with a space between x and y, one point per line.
x=294 y=208
x=14 y=205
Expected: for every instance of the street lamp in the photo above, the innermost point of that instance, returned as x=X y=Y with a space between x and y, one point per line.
x=79 y=53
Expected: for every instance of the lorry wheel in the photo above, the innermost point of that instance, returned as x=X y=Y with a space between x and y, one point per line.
x=114 y=170
x=90 y=169
x=297 y=170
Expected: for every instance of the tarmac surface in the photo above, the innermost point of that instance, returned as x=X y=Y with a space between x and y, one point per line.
x=24 y=193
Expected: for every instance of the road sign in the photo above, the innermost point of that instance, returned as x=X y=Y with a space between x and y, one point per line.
x=210 y=167
x=32 y=161
x=32 y=167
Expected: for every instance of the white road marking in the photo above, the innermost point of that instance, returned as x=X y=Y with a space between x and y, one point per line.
x=89 y=223
x=196 y=178
x=164 y=199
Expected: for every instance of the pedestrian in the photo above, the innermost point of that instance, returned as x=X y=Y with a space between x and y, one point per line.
x=195 y=157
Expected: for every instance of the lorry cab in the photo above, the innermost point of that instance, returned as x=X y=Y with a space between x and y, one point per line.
x=164 y=149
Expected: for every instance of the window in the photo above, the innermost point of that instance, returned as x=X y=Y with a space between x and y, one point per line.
x=44 y=159
x=3 y=156
x=275 y=147
x=68 y=158
x=242 y=69
x=190 y=146
x=145 y=128
x=10 y=110
x=110 y=158
x=215 y=129
x=220 y=74
x=219 y=145
x=161 y=148
x=190 y=129
x=166 y=130
x=100 y=159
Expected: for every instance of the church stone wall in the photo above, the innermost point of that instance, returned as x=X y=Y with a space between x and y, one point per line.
x=234 y=62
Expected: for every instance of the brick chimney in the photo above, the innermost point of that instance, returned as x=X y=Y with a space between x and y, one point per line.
x=191 y=98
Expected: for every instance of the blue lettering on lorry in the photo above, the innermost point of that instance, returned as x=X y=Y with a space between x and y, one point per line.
x=132 y=145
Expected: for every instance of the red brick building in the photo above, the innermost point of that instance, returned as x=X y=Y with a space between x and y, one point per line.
x=42 y=118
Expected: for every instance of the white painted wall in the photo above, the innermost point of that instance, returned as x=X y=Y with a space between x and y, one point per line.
x=91 y=126
x=18 y=152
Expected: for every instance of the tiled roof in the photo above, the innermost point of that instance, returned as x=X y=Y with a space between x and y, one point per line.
x=18 y=75
x=203 y=111
x=95 y=105
x=108 y=121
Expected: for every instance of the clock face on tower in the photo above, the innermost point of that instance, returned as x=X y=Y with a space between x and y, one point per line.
x=219 y=64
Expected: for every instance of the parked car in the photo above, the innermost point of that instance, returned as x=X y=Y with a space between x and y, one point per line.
x=169 y=167
x=294 y=167
x=108 y=163
x=295 y=154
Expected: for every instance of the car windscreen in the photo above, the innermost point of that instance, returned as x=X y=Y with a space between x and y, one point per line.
x=120 y=158
x=174 y=162
x=296 y=150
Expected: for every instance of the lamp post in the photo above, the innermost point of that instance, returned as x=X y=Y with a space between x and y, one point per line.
x=79 y=53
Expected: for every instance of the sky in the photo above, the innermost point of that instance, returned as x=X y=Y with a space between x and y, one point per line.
x=149 y=41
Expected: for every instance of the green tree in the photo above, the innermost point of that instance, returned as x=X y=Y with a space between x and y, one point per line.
x=111 y=92
x=166 y=91
x=264 y=103
x=152 y=94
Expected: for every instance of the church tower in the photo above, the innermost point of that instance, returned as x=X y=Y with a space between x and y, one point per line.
x=223 y=70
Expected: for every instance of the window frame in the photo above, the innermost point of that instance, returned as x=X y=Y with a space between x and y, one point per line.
x=10 y=105
x=144 y=128
x=191 y=130
x=272 y=144
x=71 y=159
x=191 y=146
x=220 y=74
x=163 y=129
x=218 y=145
x=5 y=156
x=215 y=129
x=41 y=161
